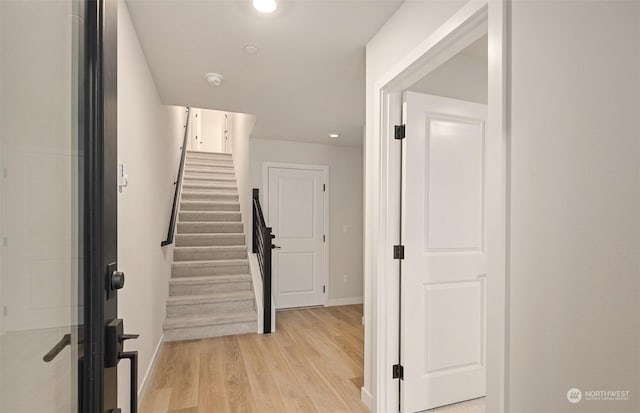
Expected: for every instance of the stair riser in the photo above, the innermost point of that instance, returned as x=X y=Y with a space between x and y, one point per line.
x=205 y=177
x=209 y=227
x=225 y=307
x=209 y=169
x=192 y=241
x=206 y=271
x=200 y=217
x=209 y=206
x=208 y=156
x=209 y=190
x=210 y=288
x=208 y=183
x=221 y=180
x=203 y=183
x=238 y=254
x=194 y=333
x=207 y=162
x=200 y=196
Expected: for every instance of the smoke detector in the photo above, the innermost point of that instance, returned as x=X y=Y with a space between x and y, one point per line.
x=214 y=79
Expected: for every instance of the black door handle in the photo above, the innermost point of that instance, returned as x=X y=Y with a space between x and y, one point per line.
x=114 y=352
x=60 y=345
x=57 y=348
x=274 y=246
x=132 y=356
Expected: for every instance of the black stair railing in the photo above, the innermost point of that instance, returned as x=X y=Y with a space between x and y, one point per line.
x=262 y=246
x=178 y=185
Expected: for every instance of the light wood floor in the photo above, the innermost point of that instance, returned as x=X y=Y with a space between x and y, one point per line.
x=312 y=363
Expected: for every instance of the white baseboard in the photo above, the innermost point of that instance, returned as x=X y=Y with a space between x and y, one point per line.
x=366 y=398
x=147 y=376
x=332 y=302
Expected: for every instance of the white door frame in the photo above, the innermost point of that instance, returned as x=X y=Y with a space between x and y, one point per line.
x=470 y=23
x=325 y=206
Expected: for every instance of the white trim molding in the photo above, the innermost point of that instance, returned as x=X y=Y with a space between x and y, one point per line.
x=144 y=385
x=333 y=302
x=366 y=398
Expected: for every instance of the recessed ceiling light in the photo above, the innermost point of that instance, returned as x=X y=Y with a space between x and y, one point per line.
x=265 y=6
x=251 y=49
x=334 y=135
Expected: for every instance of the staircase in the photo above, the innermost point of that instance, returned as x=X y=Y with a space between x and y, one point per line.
x=210 y=290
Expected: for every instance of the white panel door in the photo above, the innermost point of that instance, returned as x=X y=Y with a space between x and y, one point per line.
x=296 y=214
x=444 y=270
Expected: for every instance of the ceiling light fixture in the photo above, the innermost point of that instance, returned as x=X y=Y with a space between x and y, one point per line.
x=265 y=6
x=334 y=135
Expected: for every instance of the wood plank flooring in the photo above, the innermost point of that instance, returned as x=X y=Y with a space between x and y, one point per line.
x=313 y=363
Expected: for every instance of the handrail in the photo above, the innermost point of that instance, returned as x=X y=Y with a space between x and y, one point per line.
x=178 y=184
x=262 y=246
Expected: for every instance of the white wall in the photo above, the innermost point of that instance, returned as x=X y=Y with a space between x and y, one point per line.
x=413 y=22
x=240 y=128
x=149 y=137
x=575 y=204
x=461 y=77
x=345 y=204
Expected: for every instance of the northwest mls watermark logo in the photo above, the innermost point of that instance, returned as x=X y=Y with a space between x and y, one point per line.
x=575 y=395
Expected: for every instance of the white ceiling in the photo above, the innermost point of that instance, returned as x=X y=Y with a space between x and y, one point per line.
x=308 y=78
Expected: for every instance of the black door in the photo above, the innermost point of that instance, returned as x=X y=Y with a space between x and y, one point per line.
x=103 y=280
x=60 y=340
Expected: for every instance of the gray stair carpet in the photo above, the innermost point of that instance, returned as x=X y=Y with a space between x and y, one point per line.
x=210 y=290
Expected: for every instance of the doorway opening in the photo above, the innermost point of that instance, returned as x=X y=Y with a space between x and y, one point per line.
x=443 y=229
x=442 y=200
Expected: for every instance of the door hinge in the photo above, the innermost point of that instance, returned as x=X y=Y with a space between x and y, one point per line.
x=398 y=252
x=399 y=131
x=324 y=289
x=324 y=238
x=398 y=371
x=324 y=187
